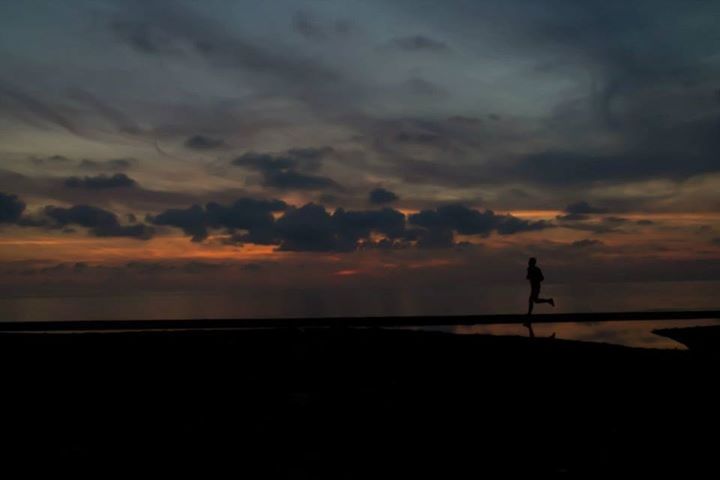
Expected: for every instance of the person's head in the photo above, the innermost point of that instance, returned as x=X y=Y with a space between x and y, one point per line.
x=532 y=261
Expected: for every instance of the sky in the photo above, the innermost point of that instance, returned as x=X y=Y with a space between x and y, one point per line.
x=372 y=152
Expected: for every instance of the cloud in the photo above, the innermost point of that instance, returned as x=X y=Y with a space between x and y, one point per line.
x=119 y=180
x=192 y=221
x=282 y=171
x=468 y=221
x=122 y=122
x=312 y=228
x=586 y=243
x=53 y=160
x=102 y=223
x=583 y=207
x=615 y=220
x=435 y=238
x=311 y=28
x=425 y=88
x=381 y=196
x=601 y=228
x=11 y=208
x=465 y=120
x=355 y=225
x=291 y=180
x=201 y=142
x=113 y=164
x=249 y=214
x=308 y=229
x=422 y=138
x=154 y=28
x=22 y=104
x=579 y=211
x=418 y=43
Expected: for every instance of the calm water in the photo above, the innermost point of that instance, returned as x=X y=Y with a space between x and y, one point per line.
x=336 y=301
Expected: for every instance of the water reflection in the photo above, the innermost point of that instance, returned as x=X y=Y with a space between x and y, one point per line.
x=631 y=333
x=440 y=300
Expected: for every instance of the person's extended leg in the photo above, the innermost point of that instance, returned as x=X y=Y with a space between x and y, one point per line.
x=531 y=302
x=534 y=293
x=545 y=300
x=531 y=333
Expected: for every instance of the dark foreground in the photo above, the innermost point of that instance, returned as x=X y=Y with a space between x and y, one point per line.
x=352 y=403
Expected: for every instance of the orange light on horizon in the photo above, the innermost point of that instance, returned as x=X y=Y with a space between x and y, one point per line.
x=346 y=273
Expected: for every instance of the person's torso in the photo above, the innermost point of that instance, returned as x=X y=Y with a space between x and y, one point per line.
x=534 y=275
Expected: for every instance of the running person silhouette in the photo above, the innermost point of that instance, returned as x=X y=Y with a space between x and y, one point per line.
x=534 y=274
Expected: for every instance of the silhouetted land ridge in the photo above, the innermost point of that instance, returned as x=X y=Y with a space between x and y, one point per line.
x=377 y=321
x=699 y=339
x=352 y=403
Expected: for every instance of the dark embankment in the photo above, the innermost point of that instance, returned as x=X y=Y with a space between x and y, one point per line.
x=352 y=403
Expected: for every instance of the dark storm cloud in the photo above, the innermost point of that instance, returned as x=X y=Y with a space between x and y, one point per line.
x=416 y=43
x=580 y=211
x=381 y=196
x=245 y=214
x=283 y=171
x=291 y=180
x=308 y=228
x=435 y=238
x=468 y=221
x=192 y=221
x=583 y=207
x=201 y=142
x=100 y=222
x=355 y=225
x=11 y=208
x=305 y=159
x=312 y=228
x=119 y=180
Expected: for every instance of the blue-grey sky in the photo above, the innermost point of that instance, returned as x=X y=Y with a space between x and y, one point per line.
x=433 y=131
